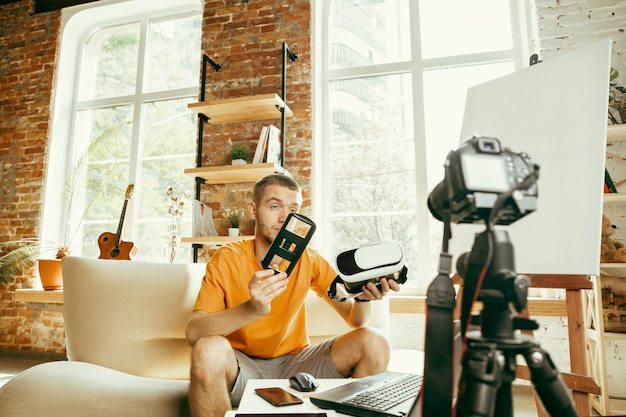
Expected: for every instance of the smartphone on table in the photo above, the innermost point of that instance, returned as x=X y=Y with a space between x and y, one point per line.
x=278 y=397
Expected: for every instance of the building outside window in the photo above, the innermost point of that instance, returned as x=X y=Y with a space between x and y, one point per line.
x=395 y=78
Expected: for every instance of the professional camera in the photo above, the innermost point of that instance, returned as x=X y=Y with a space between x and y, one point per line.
x=479 y=172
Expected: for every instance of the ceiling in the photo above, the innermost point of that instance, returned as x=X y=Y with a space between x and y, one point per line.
x=42 y=6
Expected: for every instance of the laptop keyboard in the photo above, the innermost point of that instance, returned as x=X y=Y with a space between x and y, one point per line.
x=388 y=395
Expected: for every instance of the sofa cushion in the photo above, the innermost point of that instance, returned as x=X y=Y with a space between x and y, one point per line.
x=77 y=389
x=130 y=316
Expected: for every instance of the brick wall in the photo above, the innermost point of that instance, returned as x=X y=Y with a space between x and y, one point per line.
x=28 y=50
x=246 y=39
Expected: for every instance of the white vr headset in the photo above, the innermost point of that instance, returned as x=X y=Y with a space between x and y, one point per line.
x=367 y=263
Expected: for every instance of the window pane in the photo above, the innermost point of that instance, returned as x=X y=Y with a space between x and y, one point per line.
x=368 y=32
x=170 y=129
x=372 y=165
x=445 y=93
x=169 y=140
x=173 y=53
x=110 y=64
x=460 y=27
x=101 y=186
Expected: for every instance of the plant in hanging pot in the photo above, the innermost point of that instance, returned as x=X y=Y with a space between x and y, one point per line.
x=234 y=217
x=239 y=155
x=17 y=256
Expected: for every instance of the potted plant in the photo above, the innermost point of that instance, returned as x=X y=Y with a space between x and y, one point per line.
x=22 y=254
x=617 y=99
x=239 y=155
x=234 y=217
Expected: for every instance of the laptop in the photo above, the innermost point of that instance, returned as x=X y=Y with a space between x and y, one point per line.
x=386 y=394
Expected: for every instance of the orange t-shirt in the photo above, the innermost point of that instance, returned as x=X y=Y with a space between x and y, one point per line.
x=282 y=331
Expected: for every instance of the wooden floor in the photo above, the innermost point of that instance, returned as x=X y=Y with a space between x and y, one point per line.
x=524 y=405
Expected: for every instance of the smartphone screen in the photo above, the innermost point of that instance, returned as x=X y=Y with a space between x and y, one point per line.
x=278 y=396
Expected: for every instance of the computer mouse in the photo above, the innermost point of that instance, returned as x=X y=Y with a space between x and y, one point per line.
x=303 y=382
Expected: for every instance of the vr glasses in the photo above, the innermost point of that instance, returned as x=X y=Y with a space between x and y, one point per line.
x=365 y=264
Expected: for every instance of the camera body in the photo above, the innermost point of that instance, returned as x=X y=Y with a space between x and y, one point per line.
x=476 y=174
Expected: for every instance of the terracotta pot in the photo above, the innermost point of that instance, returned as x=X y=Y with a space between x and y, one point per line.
x=50 y=274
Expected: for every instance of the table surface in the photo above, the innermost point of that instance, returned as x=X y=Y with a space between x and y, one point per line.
x=251 y=402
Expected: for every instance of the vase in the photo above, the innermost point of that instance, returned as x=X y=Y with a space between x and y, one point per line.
x=233 y=231
x=50 y=274
x=239 y=162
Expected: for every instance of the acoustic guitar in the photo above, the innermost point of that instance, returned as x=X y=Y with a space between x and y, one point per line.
x=111 y=245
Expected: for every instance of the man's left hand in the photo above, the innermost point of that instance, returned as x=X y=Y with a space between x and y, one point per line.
x=372 y=292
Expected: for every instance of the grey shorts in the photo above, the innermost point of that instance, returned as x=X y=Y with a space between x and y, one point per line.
x=314 y=360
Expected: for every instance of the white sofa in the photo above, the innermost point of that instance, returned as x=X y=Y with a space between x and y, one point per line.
x=127 y=355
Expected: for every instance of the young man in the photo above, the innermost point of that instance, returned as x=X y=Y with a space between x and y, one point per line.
x=250 y=323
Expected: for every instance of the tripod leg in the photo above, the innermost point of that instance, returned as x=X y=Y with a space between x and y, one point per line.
x=482 y=372
x=548 y=383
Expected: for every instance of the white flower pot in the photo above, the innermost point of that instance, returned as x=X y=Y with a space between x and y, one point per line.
x=239 y=162
x=233 y=231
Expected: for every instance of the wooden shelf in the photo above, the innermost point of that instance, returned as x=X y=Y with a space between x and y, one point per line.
x=612 y=198
x=617 y=270
x=229 y=174
x=242 y=109
x=616 y=133
x=215 y=240
x=39 y=296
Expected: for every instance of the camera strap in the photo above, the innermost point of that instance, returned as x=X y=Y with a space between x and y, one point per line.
x=437 y=391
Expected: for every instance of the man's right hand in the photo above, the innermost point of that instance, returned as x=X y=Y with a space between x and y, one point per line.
x=264 y=286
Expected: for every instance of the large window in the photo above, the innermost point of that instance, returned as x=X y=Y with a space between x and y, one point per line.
x=395 y=78
x=135 y=76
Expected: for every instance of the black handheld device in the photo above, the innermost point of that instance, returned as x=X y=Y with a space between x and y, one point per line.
x=291 y=241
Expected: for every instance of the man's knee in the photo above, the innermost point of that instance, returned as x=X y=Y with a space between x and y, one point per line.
x=374 y=341
x=211 y=353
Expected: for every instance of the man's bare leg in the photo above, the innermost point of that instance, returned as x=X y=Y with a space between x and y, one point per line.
x=213 y=373
x=360 y=353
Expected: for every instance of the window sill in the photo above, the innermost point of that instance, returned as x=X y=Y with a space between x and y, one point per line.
x=39 y=296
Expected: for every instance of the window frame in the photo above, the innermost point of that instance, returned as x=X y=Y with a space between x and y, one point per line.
x=77 y=25
x=519 y=12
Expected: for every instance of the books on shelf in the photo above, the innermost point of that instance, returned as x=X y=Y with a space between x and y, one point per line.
x=273 y=145
x=261 y=147
x=203 y=220
x=268 y=148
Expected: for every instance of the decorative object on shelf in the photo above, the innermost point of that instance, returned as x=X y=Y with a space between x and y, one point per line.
x=239 y=155
x=611 y=251
x=176 y=210
x=274 y=151
x=203 y=220
x=22 y=254
x=50 y=274
x=617 y=99
x=234 y=216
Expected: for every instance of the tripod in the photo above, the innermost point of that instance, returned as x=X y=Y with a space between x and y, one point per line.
x=489 y=363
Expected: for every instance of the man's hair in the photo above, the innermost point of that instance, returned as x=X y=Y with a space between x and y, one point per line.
x=273 y=179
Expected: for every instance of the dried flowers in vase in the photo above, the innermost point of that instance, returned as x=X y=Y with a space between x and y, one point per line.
x=176 y=211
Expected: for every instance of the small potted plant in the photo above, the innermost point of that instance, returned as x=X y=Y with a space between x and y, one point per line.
x=239 y=154
x=233 y=216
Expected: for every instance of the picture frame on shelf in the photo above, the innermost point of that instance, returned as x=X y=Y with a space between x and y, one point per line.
x=203 y=220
